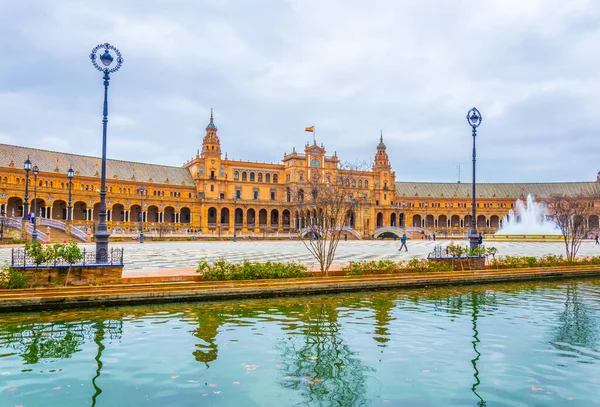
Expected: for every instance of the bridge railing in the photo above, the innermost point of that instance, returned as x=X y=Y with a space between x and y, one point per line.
x=41 y=236
x=78 y=233
x=53 y=223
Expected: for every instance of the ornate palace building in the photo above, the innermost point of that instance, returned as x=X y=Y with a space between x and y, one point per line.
x=212 y=194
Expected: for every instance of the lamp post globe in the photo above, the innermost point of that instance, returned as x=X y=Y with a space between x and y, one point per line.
x=27 y=167
x=35 y=171
x=474 y=119
x=107 y=65
x=70 y=174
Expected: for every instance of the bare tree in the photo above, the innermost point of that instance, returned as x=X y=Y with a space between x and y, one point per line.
x=570 y=214
x=325 y=203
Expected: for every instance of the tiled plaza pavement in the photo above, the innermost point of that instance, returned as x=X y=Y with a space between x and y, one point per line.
x=146 y=258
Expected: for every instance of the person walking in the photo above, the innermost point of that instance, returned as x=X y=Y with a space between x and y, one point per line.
x=433 y=236
x=403 y=240
x=597 y=240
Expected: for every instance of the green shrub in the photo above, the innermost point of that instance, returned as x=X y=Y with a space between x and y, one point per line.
x=11 y=278
x=224 y=270
x=357 y=268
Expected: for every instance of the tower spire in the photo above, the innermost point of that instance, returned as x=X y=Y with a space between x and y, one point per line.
x=211 y=115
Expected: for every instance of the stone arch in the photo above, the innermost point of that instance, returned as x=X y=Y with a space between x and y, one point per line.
x=402 y=220
x=593 y=222
x=239 y=217
x=285 y=219
x=481 y=221
x=152 y=213
x=350 y=219
x=135 y=213
x=59 y=209
x=80 y=211
x=455 y=221
x=185 y=215
x=416 y=221
x=442 y=221
x=467 y=221
x=251 y=217
x=96 y=212
x=379 y=219
x=118 y=213
x=169 y=214
x=429 y=221
x=494 y=221
x=224 y=216
x=212 y=216
x=393 y=219
x=14 y=207
x=274 y=218
x=262 y=217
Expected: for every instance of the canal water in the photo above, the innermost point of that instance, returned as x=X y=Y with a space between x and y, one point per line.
x=501 y=345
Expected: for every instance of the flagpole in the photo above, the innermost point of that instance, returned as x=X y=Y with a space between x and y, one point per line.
x=314 y=135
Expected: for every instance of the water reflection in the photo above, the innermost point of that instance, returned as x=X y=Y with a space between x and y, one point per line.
x=319 y=365
x=322 y=357
x=576 y=326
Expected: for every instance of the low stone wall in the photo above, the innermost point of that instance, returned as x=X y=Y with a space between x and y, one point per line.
x=80 y=275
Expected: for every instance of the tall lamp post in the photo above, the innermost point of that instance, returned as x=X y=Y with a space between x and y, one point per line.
x=234 y=217
x=142 y=191
x=27 y=166
x=474 y=120
x=70 y=174
x=107 y=67
x=36 y=171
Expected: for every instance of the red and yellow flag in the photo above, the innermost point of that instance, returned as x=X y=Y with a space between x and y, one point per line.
x=310 y=129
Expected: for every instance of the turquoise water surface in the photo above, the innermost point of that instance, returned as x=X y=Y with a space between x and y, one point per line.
x=501 y=345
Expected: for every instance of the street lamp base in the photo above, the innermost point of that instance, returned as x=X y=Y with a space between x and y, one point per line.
x=473 y=241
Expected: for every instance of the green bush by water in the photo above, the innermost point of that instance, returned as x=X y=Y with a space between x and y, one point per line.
x=11 y=278
x=224 y=270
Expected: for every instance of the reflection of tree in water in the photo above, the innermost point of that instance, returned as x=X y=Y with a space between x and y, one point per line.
x=320 y=365
x=382 y=306
x=576 y=325
x=210 y=320
x=60 y=340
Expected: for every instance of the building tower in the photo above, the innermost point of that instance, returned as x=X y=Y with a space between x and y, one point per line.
x=211 y=145
x=382 y=162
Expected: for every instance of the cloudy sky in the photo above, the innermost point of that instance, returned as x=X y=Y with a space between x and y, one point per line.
x=269 y=68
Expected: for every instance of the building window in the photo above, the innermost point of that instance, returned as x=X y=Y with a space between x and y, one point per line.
x=222 y=196
x=236 y=175
x=238 y=193
x=244 y=176
x=260 y=177
x=272 y=195
x=252 y=177
x=275 y=178
x=201 y=170
x=255 y=194
x=212 y=188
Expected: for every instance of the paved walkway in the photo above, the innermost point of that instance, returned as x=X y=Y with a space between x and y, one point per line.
x=170 y=258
